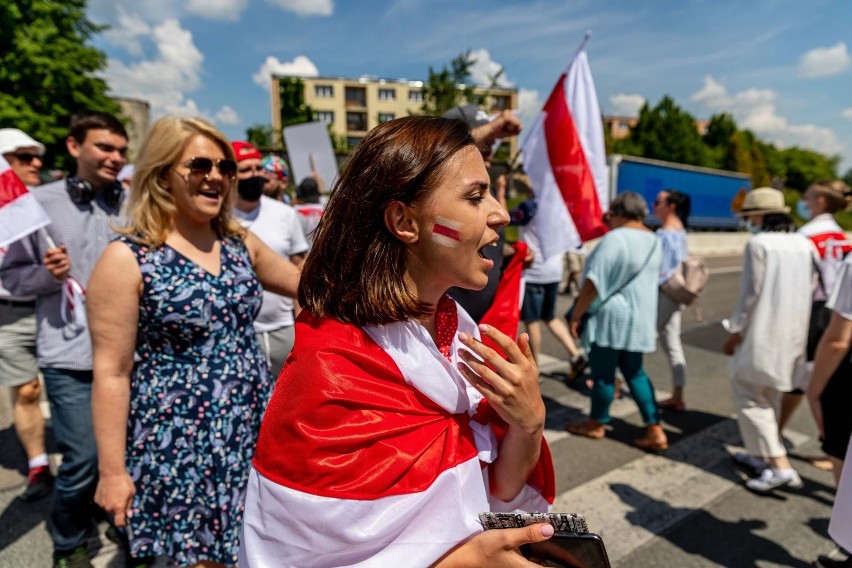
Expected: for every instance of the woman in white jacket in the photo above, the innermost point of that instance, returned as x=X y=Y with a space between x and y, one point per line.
x=767 y=344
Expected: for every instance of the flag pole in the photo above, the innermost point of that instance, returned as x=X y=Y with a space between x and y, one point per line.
x=47 y=238
x=582 y=46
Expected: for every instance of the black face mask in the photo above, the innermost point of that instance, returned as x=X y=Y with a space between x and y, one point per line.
x=252 y=188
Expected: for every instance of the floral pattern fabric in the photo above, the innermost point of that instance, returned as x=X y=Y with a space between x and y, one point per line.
x=199 y=387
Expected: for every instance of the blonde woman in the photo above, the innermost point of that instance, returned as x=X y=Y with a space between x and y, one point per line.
x=178 y=294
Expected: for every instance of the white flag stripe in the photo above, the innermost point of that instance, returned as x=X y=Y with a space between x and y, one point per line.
x=21 y=217
x=583 y=102
x=416 y=527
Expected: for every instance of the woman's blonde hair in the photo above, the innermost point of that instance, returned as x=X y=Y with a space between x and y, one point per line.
x=150 y=206
x=835 y=192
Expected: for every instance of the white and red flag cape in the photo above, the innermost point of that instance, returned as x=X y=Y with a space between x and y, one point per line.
x=565 y=159
x=20 y=213
x=374 y=450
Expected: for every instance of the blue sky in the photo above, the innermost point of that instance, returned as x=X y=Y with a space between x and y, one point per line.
x=783 y=68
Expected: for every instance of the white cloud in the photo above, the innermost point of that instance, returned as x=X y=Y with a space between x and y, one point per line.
x=847 y=113
x=825 y=61
x=483 y=70
x=301 y=66
x=227 y=115
x=755 y=110
x=529 y=105
x=306 y=7
x=127 y=31
x=624 y=104
x=228 y=10
x=713 y=94
x=164 y=79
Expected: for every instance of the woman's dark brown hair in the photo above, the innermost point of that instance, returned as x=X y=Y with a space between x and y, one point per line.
x=355 y=271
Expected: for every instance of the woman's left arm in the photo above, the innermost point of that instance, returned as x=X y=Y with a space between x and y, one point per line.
x=511 y=386
x=276 y=273
x=832 y=348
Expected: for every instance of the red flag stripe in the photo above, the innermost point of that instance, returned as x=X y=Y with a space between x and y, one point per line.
x=11 y=187
x=570 y=168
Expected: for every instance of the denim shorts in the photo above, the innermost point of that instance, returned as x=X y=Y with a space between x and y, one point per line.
x=539 y=302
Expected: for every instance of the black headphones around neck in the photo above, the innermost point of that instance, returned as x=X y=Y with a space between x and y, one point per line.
x=81 y=192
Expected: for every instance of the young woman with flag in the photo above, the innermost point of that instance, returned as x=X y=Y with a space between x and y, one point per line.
x=391 y=426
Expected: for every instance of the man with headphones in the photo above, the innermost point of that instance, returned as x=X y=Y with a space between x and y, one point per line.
x=83 y=210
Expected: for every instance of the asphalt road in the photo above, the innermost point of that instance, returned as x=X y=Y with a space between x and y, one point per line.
x=685 y=507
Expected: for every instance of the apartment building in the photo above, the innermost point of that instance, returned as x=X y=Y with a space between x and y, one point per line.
x=354 y=106
x=619 y=126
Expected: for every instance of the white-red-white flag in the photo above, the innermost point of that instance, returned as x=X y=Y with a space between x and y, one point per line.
x=565 y=159
x=20 y=213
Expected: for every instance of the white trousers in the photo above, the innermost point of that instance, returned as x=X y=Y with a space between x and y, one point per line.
x=757 y=416
x=668 y=326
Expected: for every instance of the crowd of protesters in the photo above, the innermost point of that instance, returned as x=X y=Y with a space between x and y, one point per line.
x=163 y=300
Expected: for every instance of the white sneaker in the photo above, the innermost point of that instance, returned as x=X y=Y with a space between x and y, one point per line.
x=772 y=478
x=752 y=465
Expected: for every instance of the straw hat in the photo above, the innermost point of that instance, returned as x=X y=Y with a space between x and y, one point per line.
x=763 y=200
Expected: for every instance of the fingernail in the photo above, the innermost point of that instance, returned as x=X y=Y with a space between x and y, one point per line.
x=547 y=530
x=484 y=327
x=460 y=366
x=463 y=336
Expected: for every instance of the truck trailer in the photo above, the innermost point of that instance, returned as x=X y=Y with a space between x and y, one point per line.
x=711 y=191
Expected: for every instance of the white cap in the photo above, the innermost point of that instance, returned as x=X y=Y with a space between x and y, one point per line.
x=12 y=139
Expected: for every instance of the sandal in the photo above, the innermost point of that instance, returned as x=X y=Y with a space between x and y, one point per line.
x=589 y=428
x=672 y=404
x=654 y=441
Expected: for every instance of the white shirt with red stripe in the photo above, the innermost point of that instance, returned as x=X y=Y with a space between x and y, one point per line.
x=832 y=244
x=374 y=450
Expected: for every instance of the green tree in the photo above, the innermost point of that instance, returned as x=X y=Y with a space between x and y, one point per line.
x=806 y=166
x=847 y=177
x=717 y=137
x=667 y=132
x=48 y=69
x=448 y=87
x=260 y=135
x=291 y=94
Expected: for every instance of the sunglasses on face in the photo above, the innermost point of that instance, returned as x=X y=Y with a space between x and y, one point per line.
x=203 y=166
x=26 y=158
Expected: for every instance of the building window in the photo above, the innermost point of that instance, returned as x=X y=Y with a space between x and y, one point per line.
x=326 y=116
x=324 y=91
x=415 y=96
x=356 y=121
x=623 y=126
x=500 y=103
x=356 y=96
x=387 y=94
x=386 y=116
x=352 y=141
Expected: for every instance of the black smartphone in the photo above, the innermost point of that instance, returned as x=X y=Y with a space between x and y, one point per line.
x=569 y=550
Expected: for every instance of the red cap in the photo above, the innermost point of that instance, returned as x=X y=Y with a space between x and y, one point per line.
x=245 y=151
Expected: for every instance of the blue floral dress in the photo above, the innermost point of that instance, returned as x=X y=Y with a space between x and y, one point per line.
x=198 y=390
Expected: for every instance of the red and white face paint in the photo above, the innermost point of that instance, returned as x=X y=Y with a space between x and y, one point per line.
x=446 y=232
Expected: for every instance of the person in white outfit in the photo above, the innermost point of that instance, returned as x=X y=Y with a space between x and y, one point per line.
x=672 y=209
x=768 y=333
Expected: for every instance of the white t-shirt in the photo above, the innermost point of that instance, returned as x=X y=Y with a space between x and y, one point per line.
x=543 y=270
x=277 y=225
x=840 y=297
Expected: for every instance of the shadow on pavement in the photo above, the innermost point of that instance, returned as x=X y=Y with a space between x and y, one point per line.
x=735 y=544
x=20 y=517
x=710 y=336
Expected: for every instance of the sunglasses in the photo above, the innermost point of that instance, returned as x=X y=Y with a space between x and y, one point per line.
x=26 y=158
x=203 y=166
